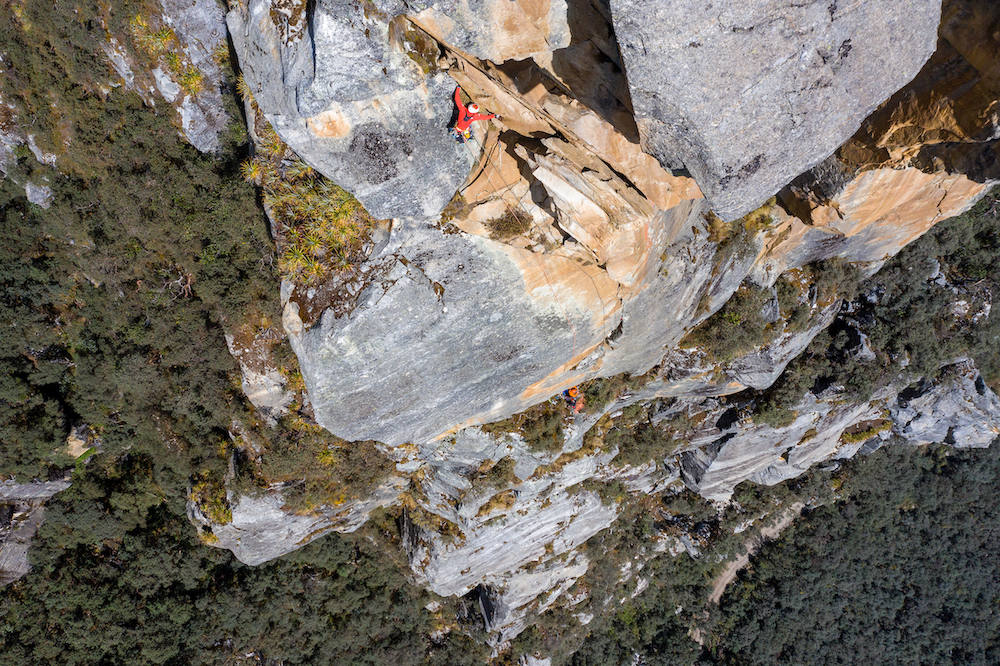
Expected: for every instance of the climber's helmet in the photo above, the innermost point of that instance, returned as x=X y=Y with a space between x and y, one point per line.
x=474 y=108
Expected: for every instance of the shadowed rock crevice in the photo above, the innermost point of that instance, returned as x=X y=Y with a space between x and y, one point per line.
x=944 y=121
x=591 y=65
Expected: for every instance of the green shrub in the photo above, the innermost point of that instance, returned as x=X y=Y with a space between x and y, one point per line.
x=774 y=414
x=735 y=329
x=919 y=585
x=640 y=443
x=541 y=426
x=600 y=392
x=323 y=470
x=611 y=492
x=209 y=493
x=862 y=432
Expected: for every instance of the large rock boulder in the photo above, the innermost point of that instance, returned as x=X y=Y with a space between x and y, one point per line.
x=747 y=95
x=363 y=113
x=452 y=329
x=355 y=89
x=496 y=30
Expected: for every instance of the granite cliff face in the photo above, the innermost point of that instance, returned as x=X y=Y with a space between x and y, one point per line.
x=745 y=95
x=569 y=252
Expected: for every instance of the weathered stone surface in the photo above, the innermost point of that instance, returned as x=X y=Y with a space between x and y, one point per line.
x=40 y=195
x=947 y=117
x=25 y=503
x=35 y=490
x=201 y=27
x=496 y=30
x=718 y=460
x=747 y=95
x=15 y=540
x=261 y=530
x=925 y=154
x=458 y=327
x=354 y=105
x=651 y=275
x=867 y=218
x=520 y=548
x=960 y=410
x=262 y=384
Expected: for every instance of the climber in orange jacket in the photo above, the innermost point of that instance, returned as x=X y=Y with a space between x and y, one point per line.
x=574 y=399
x=467 y=115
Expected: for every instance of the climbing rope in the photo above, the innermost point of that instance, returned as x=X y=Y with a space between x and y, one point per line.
x=514 y=211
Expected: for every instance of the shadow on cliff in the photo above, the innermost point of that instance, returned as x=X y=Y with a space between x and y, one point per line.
x=943 y=121
x=589 y=68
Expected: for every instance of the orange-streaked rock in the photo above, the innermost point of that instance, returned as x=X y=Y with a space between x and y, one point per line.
x=329 y=124
x=906 y=201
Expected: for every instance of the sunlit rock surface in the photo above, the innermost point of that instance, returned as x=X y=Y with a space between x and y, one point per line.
x=346 y=95
x=747 y=95
x=572 y=254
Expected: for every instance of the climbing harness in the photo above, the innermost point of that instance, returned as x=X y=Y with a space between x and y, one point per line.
x=462 y=131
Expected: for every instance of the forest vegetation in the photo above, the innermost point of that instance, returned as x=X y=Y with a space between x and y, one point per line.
x=115 y=300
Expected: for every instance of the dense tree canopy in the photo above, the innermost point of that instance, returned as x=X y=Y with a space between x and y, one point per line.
x=113 y=302
x=901 y=572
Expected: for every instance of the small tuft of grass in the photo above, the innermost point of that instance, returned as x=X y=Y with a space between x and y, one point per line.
x=510 y=224
x=865 y=430
x=191 y=80
x=162 y=47
x=243 y=89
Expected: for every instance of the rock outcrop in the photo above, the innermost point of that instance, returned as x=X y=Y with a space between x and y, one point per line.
x=959 y=409
x=496 y=30
x=22 y=510
x=357 y=96
x=261 y=529
x=191 y=80
x=570 y=254
x=746 y=96
x=201 y=29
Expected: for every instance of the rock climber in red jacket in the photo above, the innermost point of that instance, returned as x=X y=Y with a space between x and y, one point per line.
x=467 y=115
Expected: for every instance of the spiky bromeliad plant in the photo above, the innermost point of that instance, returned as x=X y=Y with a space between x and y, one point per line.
x=320 y=226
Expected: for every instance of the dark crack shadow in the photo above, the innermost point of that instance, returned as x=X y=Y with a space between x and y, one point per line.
x=591 y=65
